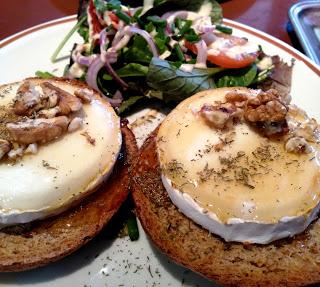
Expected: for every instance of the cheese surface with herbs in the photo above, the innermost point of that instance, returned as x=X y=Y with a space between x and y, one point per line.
x=236 y=182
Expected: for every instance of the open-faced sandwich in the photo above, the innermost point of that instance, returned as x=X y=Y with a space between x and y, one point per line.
x=228 y=186
x=64 y=163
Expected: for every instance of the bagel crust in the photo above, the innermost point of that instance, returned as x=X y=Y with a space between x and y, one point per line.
x=288 y=262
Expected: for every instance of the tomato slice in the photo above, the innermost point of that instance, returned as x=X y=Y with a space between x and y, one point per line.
x=230 y=53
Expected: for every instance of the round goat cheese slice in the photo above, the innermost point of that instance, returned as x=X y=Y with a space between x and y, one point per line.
x=62 y=171
x=236 y=183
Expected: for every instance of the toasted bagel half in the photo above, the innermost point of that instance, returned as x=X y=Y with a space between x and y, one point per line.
x=37 y=243
x=287 y=262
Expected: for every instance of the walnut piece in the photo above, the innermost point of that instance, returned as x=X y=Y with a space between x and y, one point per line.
x=266 y=106
x=38 y=130
x=31 y=149
x=27 y=101
x=49 y=113
x=235 y=96
x=298 y=145
x=4 y=148
x=16 y=153
x=75 y=124
x=220 y=116
x=309 y=130
x=84 y=94
x=67 y=102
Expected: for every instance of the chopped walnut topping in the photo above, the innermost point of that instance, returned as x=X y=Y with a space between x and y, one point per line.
x=220 y=116
x=16 y=153
x=49 y=113
x=235 y=96
x=53 y=100
x=75 y=124
x=28 y=100
x=266 y=106
x=309 y=130
x=40 y=113
x=84 y=94
x=298 y=145
x=4 y=148
x=67 y=102
x=38 y=130
x=31 y=149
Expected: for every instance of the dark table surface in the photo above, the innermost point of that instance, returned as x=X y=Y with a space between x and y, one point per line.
x=270 y=16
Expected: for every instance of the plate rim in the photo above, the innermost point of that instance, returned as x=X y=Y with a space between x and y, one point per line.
x=234 y=24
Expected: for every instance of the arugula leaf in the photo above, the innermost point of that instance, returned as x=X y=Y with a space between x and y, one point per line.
x=84 y=33
x=130 y=70
x=176 y=83
x=240 y=77
x=128 y=103
x=188 y=5
x=102 y=5
x=44 y=75
x=138 y=51
x=158 y=2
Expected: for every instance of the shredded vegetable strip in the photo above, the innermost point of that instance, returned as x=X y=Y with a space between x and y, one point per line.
x=65 y=39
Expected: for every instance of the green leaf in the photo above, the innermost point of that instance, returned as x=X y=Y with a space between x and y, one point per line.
x=138 y=51
x=188 y=5
x=102 y=5
x=84 y=33
x=44 y=75
x=176 y=83
x=128 y=103
x=133 y=70
x=161 y=44
x=216 y=13
x=240 y=77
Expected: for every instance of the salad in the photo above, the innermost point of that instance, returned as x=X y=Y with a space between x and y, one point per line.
x=167 y=50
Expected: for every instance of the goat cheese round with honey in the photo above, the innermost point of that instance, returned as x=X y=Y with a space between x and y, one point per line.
x=59 y=141
x=242 y=164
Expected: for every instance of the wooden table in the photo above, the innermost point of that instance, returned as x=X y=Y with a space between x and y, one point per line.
x=270 y=16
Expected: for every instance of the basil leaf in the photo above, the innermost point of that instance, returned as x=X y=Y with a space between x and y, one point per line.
x=188 y=5
x=133 y=70
x=176 y=83
x=138 y=51
x=102 y=5
x=84 y=33
x=44 y=75
x=240 y=77
x=128 y=103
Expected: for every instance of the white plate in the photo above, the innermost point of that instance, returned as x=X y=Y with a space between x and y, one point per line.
x=120 y=262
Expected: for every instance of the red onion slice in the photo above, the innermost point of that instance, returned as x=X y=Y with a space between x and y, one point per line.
x=92 y=73
x=170 y=16
x=209 y=38
x=85 y=61
x=114 y=75
x=91 y=80
x=117 y=99
x=147 y=37
x=202 y=54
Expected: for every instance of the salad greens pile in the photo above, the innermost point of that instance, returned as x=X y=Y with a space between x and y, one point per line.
x=159 y=51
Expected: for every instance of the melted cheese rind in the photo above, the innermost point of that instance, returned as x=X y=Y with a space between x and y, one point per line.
x=252 y=190
x=63 y=171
